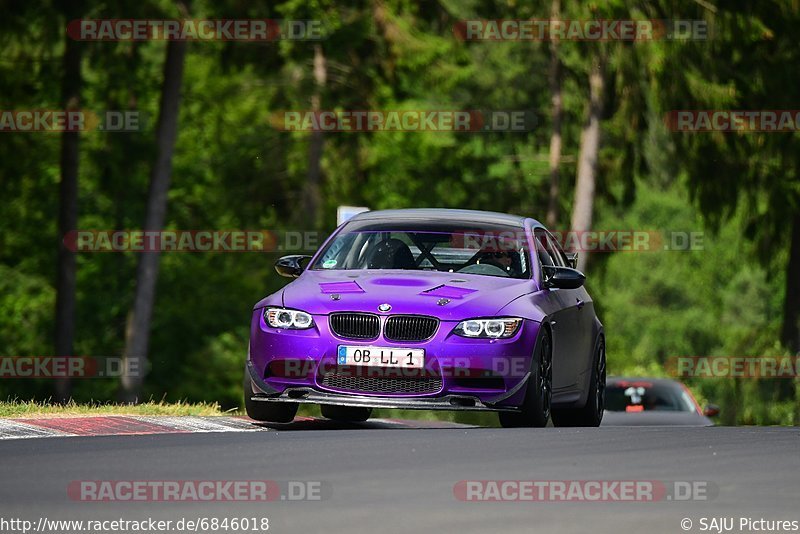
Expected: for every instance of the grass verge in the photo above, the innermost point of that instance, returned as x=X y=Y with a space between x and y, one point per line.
x=22 y=409
x=18 y=408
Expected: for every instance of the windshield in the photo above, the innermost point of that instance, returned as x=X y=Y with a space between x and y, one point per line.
x=647 y=396
x=490 y=250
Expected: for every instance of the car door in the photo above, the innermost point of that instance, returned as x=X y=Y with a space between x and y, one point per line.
x=560 y=303
x=580 y=316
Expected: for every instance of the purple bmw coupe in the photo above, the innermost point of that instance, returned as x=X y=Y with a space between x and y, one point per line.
x=437 y=309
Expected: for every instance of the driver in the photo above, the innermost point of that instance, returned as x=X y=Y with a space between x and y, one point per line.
x=503 y=259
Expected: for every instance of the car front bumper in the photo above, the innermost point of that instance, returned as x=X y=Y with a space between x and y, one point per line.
x=472 y=374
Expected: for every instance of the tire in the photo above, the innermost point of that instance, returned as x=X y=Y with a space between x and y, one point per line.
x=592 y=413
x=535 y=409
x=271 y=412
x=345 y=413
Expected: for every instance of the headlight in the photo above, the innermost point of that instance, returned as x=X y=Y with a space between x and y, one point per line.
x=288 y=319
x=498 y=328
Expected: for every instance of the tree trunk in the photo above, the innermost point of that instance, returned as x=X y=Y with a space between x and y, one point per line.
x=790 y=334
x=312 y=197
x=731 y=415
x=556 y=102
x=67 y=216
x=137 y=334
x=587 y=158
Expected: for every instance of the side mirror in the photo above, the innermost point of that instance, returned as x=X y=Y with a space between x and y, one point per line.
x=572 y=259
x=561 y=277
x=711 y=410
x=291 y=266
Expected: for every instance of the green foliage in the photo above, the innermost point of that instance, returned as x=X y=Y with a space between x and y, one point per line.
x=714 y=301
x=26 y=304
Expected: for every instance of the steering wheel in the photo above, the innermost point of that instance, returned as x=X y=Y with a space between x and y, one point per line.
x=483 y=268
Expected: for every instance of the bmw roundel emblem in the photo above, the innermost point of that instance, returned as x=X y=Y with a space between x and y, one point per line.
x=385 y=307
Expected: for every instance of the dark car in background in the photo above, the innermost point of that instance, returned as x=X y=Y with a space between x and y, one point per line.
x=653 y=402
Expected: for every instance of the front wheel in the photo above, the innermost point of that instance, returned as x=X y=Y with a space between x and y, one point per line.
x=535 y=409
x=592 y=413
x=272 y=412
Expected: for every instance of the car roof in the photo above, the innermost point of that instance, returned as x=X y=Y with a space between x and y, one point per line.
x=443 y=214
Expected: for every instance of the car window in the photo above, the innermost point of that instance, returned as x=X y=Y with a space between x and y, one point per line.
x=559 y=258
x=644 y=396
x=544 y=248
x=491 y=250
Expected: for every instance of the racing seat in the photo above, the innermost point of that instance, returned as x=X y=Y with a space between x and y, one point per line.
x=391 y=254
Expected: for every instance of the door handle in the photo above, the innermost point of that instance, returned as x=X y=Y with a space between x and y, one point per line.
x=579 y=303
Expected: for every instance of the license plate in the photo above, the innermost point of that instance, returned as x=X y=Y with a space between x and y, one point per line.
x=381 y=357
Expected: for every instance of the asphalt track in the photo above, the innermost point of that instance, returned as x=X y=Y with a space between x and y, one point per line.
x=397 y=479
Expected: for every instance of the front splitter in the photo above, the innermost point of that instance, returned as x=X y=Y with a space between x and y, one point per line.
x=447 y=402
